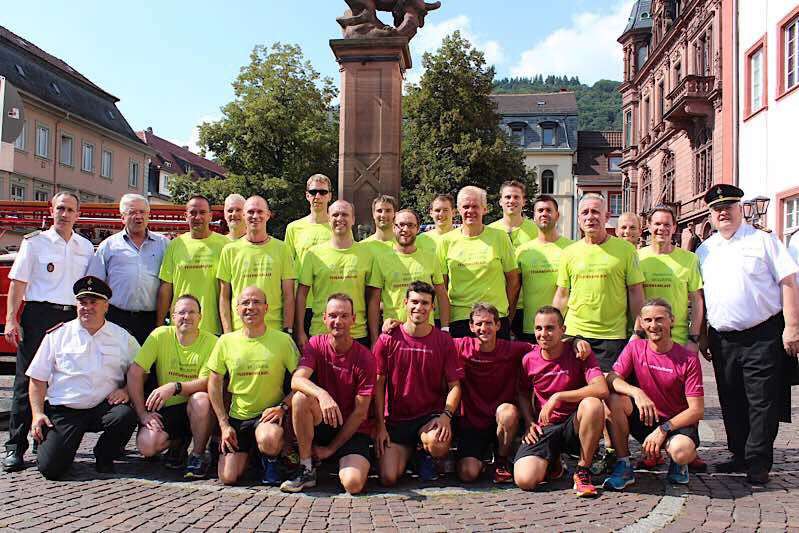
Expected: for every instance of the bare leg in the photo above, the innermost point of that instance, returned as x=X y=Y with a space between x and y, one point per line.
x=269 y=437
x=305 y=416
x=353 y=471
x=201 y=420
x=393 y=462
x=507 y=428
x=681 y=449
x=232 y=466
x=620 y=407
x=529 y=472
x=434 y=447
x=589 y=422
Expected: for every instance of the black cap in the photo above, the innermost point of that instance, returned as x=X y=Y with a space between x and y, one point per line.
x=723 y=193
x=92 y=286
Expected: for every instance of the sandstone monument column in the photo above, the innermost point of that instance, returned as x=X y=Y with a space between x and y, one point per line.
x=373 y=58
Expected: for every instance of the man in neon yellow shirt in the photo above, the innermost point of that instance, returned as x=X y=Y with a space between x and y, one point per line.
x=629 y=228
x=339 y=265
x=234 y=216
x=190 y=264
x=179 y=407
x=673 y=274
x=256 y=359
x=538 y=262
x=478 y=265
x=312 y=229
x=384 y=209
x=393 y=273
x=442 y=211
x=597 y=276
x=259 y=260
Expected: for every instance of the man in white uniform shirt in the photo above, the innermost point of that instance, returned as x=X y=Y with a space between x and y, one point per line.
x=753 y=317
x=47 y=265
x=80 y=368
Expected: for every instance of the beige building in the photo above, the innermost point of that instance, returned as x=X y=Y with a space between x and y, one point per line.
x=74 y=137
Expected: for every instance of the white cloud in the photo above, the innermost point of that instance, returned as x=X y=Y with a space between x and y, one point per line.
x=430 y=37
x=587 y=48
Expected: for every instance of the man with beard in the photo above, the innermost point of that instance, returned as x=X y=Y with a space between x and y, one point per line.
x=190 y=264
x=539 y=260
x=418 y=390
x=234 y=216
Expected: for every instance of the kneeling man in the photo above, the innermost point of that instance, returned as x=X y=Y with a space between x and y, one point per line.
x=256 y=359
x=664 y=409
x=418 y=389
x=80 y=367
x=330 y=413
x=179 y=408
x=567 y=392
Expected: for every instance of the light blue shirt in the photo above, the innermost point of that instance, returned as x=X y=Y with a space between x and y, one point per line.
x=131 y=272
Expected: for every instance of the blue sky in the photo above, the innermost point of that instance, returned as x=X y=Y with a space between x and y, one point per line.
x=171 y=63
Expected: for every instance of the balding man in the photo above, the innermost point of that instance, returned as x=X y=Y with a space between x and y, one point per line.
x=234 y=216
x=129 y=261
x=259 y=260
x=629 y=228
x=478 y=265
x=256 y=359
x=339 y=265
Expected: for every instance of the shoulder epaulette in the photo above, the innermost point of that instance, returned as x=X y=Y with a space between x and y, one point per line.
x=32 y=234
x=761 y=228
x=55 y=327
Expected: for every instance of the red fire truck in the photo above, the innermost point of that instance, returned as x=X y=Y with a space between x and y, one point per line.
x=97 y=221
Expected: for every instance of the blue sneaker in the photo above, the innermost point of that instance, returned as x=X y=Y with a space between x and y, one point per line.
x=678 y=474
x=427 y=468
x=623 y=476
x=271 y=475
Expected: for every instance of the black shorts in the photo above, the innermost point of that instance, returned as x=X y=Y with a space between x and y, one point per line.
x=606 y=351
x=640 y=431
x=358 y=444
x=176 y=421
x=476 y=443
x=306 y=321
x=245 y=433
x=517 y=326
x=556 y=439
x=406 y=433
x=460 y=328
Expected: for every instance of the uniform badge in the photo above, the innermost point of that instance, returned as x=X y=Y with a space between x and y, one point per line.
x=50 y=267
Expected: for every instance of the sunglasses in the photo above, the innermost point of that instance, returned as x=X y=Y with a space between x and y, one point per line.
x=320 y=192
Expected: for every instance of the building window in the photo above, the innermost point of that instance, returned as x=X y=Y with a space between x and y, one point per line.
x=107 y=164
x=547 y=182
x=517 y=135
x=133 y=174
x=667 y=191
x=614 y=204
x=756 y=64
x=19 y=144
x=628 y=129
x=677 y=74
x=87 y=158
x=641 y=57
x=703 y=161
x=646 y=190
x=645 y=111
x=17 y=192
x=41 y=196
x=614 y=163
x=755 y=79
x=791 y=216
x=703 y=55
x=548 y=136
x=43 y=141
x=164 y=186
x=65 y=156
x=661 y=99
x=788 y=53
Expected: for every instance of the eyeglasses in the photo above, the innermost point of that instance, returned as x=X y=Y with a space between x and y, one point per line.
x=185 y=313
x=408 y=225
x=320 y=192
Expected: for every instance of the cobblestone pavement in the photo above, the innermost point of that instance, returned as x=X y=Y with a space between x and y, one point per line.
x=143 y=497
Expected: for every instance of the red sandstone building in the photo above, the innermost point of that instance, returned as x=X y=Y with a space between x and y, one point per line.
x=599 y=156
x=678 y=108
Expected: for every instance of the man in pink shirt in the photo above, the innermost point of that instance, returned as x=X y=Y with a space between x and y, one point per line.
x=418 y=390
x=664 y=409
x=333 y=387
x=490 y=416
x=567 y=394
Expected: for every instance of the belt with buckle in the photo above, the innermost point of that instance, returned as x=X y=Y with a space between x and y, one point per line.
x=57 y=307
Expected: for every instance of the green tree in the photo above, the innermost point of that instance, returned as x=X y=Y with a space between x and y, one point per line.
x=452 y=134
x=279 y=129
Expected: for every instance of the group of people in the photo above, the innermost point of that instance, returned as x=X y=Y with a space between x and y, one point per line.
x=507 y=341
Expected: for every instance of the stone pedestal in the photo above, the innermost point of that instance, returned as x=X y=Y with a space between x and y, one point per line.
x=370 y=136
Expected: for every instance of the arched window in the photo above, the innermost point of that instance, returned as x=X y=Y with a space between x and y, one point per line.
x=547 y=182
x=703 y=160
x=646 y=190
x=667 y=180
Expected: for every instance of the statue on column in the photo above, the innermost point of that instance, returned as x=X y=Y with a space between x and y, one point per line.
x=360 y=20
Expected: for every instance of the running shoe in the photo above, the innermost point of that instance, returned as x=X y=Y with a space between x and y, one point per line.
x=583 y=486
x=678 y=474
x=271 y=475
x=603 y=464
x=502 y=473
x=623 y=476
x=697 y=465
x=197 y=468
x=427 y=468
x=650 y=463
x=304 y=479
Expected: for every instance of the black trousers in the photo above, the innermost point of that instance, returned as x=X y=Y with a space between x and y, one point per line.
x=57 y=450
x=748 y=366
x=37 y=318
x=139 y=324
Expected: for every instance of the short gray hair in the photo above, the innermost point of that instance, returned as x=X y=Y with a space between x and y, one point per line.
x=593 y=196
x=476 y=191
x=235 y=197
x=127 y=199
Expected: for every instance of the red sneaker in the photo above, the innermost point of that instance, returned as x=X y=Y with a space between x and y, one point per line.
x=650 y=463
x=502 y=473
x=556 y=470
x=697 y=465
x=583 y=486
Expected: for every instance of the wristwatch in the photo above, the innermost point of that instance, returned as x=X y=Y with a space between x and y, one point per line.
x=665 y=427
x=178 y=387
x=284 y=406
x=445 y=328
x=290 y=331
x=693 y=338
x=448 y=413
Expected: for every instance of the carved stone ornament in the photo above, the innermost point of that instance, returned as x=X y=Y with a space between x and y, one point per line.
x=360 y=20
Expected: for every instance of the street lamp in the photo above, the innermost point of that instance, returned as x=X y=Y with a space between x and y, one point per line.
x=761 y=205
x=747 y=207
